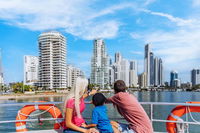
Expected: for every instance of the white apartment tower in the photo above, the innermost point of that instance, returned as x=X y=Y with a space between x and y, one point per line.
x=31 y=65
x=99 y=65
x=52 y=60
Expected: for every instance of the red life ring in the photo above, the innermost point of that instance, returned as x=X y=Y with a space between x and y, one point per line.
x=28 y=109
x=178 y=112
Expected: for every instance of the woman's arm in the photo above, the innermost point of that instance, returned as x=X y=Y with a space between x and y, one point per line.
x=69 y=124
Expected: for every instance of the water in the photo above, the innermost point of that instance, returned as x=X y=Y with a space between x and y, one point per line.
x=160 y=112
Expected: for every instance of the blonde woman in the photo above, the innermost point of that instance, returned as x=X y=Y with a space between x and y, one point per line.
x=74 y=106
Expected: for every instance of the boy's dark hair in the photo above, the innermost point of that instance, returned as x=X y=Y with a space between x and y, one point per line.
x=119 y=86
x=98 y=99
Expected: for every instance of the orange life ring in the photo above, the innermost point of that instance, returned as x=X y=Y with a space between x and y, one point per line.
x=178 y=112
x=28 y=109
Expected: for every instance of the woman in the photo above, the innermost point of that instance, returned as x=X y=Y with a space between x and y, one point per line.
x=74 y=106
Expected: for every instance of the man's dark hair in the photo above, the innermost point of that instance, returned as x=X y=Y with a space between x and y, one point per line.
x=119 y=86
x=98 y=99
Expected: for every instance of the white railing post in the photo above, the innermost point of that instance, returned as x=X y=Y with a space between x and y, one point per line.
x=151 y=113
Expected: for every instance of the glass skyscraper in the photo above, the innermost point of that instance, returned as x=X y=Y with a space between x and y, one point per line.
x=173 y=76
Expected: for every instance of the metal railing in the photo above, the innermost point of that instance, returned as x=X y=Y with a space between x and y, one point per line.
x=151 y=104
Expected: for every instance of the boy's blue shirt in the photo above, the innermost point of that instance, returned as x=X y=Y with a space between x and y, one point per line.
x=99 y=117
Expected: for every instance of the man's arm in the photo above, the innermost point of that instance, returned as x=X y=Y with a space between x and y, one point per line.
x=110 y=99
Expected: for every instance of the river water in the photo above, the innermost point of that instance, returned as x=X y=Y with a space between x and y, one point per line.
x=160 y=112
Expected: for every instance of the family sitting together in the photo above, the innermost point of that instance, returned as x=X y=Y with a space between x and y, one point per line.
x=126 y=104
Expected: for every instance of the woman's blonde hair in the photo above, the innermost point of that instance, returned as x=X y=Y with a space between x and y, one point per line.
x=77 y=92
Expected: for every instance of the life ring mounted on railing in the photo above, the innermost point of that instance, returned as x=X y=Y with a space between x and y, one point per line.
x=25 y=112
x=176 y=115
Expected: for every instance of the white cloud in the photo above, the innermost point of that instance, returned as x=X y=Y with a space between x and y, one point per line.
x=177 y=20
x=196 y=3
x=76 y=17
x=148 y=2
x=135 y=35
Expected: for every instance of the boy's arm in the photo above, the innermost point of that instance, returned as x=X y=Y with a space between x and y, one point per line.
x=89 y=125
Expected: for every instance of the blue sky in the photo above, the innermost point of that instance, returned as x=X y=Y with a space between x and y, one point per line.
x=171 y=26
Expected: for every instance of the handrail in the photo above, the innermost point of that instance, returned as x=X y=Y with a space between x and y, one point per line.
x=87 y=102
x=28 y=103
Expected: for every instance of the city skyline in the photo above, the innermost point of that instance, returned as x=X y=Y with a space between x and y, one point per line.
x=171 y=28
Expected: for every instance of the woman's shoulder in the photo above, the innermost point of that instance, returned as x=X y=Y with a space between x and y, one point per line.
x=71 y=100
x=70 y=103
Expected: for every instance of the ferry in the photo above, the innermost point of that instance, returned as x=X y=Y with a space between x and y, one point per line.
x=174 y=123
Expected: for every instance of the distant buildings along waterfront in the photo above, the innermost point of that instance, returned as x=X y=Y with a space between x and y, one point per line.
x=72 y=74
x=125 y=70
x=153 y=68
x=195 y=77
x=52 y=60
x=121 y=69
x=31 y=65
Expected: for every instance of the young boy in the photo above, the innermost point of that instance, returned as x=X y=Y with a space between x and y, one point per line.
x=99 y=115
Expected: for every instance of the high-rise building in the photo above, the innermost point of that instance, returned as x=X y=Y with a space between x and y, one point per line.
x=156 y=71
x=153 y=67
x=147 y=63
x=99 y=64
x=1 y=71
x=121 y=69
x=118 y=57
x=69 y=75
x=124 y=71
x=52 y=60
x=31 y=65
x=152 y=72
x=142 y=80
x=133 y=77
x=160 y=73
x=195 y=77
x=111 y=75
x=173 y=76
x=72 y=74
x=176 y=83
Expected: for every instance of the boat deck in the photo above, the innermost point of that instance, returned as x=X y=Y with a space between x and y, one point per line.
x=43 y=131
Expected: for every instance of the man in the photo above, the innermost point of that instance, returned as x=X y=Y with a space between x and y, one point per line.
x=129 y=107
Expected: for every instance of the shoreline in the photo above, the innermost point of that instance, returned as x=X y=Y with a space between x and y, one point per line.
x=24 y=96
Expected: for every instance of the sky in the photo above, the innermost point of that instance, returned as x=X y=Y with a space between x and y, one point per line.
x=172 y=27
